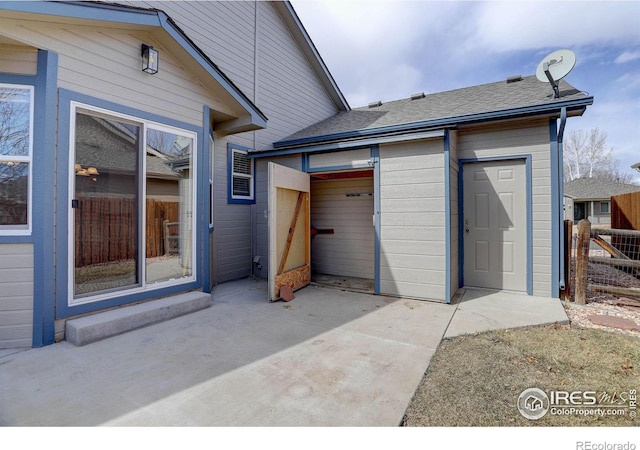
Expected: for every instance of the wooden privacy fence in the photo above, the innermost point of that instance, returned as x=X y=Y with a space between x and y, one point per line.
x=106 y=229
x=162 y=218
x=609 y=270
x=625 y=211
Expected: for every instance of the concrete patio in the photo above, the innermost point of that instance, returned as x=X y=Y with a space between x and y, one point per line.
x=328 y=358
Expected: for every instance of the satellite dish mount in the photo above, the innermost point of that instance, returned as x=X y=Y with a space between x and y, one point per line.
x=552 y=82
x=555 y=67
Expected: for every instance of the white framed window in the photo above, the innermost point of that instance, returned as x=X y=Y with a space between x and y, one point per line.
x=133 y=202
x=16 y=150
x=605 y=207
x=241 y=175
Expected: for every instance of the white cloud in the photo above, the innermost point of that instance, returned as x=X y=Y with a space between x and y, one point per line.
x=376 y=50
x=627 y=57
x=508 y=26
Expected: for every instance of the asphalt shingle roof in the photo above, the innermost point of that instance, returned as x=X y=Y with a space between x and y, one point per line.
x=594 y=189
x=486 y=98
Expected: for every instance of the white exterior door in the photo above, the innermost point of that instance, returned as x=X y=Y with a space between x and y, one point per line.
x=495 y=225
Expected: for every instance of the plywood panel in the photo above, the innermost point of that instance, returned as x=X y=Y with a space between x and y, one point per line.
x=289 y=228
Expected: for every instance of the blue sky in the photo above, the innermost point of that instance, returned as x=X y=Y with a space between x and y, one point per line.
x=387 y=50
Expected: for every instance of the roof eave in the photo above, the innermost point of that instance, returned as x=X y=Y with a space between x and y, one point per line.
x=86 y=11
x=575 y=106
x=250 y=117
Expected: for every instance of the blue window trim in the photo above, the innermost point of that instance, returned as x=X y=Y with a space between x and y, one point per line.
x=63 y=309
x=529 y=206
x=239 y=201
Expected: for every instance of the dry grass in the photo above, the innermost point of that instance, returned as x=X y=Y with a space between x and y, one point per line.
x=476 y=380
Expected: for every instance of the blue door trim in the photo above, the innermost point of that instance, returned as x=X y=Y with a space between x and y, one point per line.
x=529 y=206
x=62 y=308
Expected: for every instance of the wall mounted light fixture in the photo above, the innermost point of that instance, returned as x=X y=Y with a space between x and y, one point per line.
x=149 y=59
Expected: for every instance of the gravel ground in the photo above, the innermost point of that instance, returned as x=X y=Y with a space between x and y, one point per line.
x=603 y=303
x=578 y=315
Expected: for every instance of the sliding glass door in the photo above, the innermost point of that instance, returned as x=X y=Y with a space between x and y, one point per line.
x=169 y=205
x=105 y=204
x=132 y=205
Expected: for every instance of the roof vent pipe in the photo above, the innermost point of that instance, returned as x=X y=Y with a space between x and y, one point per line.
x=375 y=104
x=514 y=78
x=417 y=96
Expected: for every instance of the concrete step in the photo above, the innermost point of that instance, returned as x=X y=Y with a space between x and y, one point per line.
x=87 y=329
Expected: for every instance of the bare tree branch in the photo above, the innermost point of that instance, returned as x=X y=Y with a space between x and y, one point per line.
x=586 y=155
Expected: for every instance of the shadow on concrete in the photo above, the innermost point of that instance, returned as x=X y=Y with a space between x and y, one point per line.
x=328 y=358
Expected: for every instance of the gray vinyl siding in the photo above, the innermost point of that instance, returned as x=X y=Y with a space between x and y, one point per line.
x=412 y=220
x=232 y=233
x=350 y=250
x=346 y=159
x=17 y=59
x=288 y=90
x=250 y=43
x=522 y=139
x=16 y=295
x=224 y=30
x=105 y=63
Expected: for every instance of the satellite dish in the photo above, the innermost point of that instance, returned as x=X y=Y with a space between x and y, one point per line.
x=555 y=67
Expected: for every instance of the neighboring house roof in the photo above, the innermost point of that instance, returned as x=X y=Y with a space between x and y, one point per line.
x=146 y=18
x=101 y=143
x=596 y=189
x=493 y=101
